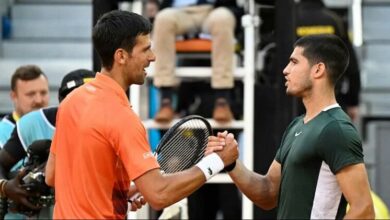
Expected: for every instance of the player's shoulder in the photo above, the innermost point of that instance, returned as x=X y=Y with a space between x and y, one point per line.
x=335 y=115
x=337 y=121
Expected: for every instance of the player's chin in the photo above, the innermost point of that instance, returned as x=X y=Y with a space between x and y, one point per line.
x=141 y=78
x=140 y=82
x=290 y=92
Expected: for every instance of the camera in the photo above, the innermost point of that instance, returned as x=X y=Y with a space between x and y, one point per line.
x=41 y=195
x=34 y=182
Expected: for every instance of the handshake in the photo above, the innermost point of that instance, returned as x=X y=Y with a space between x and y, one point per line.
x=218 y=143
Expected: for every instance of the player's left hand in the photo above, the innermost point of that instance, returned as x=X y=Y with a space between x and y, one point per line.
x=136 y=199
x=137 y=203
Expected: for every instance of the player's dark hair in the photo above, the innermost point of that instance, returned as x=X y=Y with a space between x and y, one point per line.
x=328 y=49
x=117 y=29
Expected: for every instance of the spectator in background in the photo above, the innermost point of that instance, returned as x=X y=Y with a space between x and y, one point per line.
x=179 y=17
x=29 y=91
x=314 y=18
x=221 y=19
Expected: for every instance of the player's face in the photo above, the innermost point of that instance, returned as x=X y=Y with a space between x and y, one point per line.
x=139 y=59
x=30 y=95
x=297 y=74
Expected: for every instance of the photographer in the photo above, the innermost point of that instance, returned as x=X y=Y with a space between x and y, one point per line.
x=36 y=125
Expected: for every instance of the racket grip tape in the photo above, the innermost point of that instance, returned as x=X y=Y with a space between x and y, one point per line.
x=210 y=165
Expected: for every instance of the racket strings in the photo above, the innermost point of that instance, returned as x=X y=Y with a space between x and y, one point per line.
x=188 y=141
x=178 y=161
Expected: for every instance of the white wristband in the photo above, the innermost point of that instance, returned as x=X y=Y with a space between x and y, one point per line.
x=210 y=165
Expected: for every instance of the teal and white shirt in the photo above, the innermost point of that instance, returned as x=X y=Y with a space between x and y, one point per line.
x=310 y=156
x=35 y=125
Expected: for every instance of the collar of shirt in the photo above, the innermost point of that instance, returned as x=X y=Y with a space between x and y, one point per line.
x=107 y=81
x=331 y=106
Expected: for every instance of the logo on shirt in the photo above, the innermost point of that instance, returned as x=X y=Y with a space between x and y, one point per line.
x=298 y=133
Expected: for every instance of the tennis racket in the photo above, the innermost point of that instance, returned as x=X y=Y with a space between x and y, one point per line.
x=183 y=145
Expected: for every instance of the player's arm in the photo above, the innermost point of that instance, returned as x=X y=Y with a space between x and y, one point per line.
x=353 y=182
x=262 y=190
x=162 y=190
x=49 y=170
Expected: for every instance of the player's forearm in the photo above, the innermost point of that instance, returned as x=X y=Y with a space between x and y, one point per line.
x=362 y=210
x=174 y=187
x=258 y=188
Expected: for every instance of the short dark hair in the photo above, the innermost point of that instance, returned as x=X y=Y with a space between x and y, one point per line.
x=117 y=29
x=326 y=48
x=26 y=73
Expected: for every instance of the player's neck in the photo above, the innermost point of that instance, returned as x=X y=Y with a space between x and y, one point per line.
x=315 y=103
x=116 y=75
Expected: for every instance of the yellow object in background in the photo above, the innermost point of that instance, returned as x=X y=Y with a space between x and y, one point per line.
x=381 y=211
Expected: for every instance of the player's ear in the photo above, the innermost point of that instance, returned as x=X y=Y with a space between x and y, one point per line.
x=319 y=70
x=120 y=56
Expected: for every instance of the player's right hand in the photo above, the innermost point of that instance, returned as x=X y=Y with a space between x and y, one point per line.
x=229 y=153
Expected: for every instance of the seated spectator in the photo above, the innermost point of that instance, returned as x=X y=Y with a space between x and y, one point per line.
x=151 y=9
x=179 y=17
